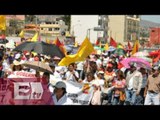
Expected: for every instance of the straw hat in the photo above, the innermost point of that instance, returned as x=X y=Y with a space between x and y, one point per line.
x=47 y=57
x=56 y=58
x=15 y=62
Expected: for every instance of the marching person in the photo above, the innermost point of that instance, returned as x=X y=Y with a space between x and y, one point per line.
x=152 y=91
x=60 y=94
x=133 y=84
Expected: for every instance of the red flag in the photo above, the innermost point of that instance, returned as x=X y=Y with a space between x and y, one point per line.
x=113 y=42
x=58 y=43
x=97 y=42
x=129 y=45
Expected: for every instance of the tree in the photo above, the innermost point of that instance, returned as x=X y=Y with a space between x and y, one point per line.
x=30 y=18
x=67 y=20
x=13 y=24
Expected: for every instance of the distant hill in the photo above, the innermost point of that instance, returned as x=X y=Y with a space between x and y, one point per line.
x=148 y=24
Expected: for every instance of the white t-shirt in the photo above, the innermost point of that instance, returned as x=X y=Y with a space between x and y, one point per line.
x=31 y=59
x=130 y=84
x=80 y=66
x=105 y=61
x=70 y=76
x=62 y=101
x=60 y=69
x=98 y=62
x=55 y=76
x=5 y=65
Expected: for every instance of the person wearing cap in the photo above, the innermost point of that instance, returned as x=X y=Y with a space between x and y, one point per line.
x=152 y=90
x=133 y=84
x=60 y=94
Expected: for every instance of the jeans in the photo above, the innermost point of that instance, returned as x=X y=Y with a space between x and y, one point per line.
x=152 y=98
x=115 y=101
x=130 y=97
x=110 y=94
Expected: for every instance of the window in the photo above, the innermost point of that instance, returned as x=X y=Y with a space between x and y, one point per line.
x=50 y=29
x=56 y=29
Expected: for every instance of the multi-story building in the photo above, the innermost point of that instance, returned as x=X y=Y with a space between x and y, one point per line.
x=155 y=36
x=124 y=27
x=49 y=18
x=54 y=28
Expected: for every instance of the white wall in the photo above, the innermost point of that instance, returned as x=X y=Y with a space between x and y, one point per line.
x=80 y=24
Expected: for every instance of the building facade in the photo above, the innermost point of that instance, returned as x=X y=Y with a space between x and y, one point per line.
x=54 y=28
x=155 y=36
x=123 y=28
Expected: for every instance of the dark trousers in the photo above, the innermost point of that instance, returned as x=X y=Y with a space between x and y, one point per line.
x=142 y=93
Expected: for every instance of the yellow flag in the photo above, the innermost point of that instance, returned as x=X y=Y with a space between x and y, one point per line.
x=76 y=44
x=106 y=46
x=135 y=47
x=47 y=41
x=68 y=59
x=100 y=44
x=35 y=38
x=21 y=34
x=2 y=22
x=85 y=50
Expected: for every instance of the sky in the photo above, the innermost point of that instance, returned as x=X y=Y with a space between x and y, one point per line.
x=152 y=18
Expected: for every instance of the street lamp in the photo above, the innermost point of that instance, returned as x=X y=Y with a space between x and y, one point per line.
x=88 y=32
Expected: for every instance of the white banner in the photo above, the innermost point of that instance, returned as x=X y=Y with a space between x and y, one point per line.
x=80 y=93
x=21 y=74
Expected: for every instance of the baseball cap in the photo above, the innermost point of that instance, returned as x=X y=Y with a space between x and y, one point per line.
x=17 y=56
x=60 y=84
x=100 y=72
x=155 y=67
x=56 y=58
